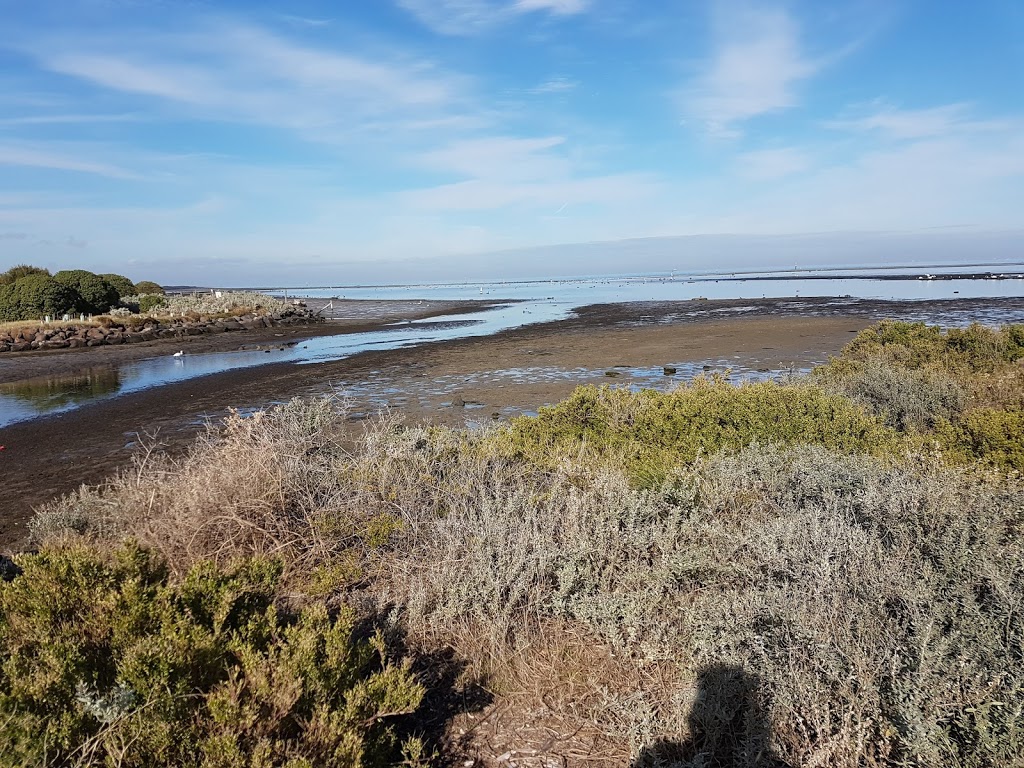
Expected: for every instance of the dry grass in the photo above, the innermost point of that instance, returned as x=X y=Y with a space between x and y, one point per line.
x=817 y=608
x=17 y=326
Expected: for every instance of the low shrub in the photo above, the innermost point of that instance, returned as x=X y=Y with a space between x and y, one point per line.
x=915 y=345
x=106 y=661
x=653 y=431
x=906 y=399
x=991 y=435
x=150 y=301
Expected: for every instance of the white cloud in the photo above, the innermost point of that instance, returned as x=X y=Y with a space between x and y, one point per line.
x=901 y=124
x=554 y=85
x=244 y=73
x=498 y=157
x=772 y=164
x=34 y=157
x=468 y=17
x=755 y=69
x=499 y=172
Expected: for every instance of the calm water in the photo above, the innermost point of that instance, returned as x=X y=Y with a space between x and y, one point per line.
x=538 y=301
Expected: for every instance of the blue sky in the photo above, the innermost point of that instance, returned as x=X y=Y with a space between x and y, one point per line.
x=256 y=142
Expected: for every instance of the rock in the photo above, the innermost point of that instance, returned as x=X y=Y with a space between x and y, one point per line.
x=21 y=346
x=231 y=325
x=9 y=569
x=95 y=333
x=75 y=343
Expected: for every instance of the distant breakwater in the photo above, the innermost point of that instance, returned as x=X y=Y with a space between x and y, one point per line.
x=68 y=336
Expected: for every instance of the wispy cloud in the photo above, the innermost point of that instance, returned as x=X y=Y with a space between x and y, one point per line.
x=756 y=68
x=902 y=124
x=554 y=85
x=772 y=164
x=498 y=172
x=469 y=17
x=241 y=72
x=32 y=157
x=68 y=119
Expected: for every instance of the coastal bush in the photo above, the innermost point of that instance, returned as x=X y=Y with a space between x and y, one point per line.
x=907 y=399
x=96 y=295
x=229 y=302
x=916 y=345
x=106 y=661
x=876 y=605
x=19 y=271
x=34 y=296
x=991 y=435
x=148 y=287
x=653 y=431
x=150 y=301
x=121 y=284
x=870 y=602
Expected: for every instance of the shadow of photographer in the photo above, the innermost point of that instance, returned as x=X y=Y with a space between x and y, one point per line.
x=729 y=727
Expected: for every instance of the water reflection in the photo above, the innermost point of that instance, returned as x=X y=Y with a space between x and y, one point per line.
x=55 y=393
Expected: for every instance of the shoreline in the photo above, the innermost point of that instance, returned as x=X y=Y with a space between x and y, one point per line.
x=448 y=382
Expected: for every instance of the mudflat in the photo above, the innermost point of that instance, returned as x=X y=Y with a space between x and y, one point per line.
x=452 y=382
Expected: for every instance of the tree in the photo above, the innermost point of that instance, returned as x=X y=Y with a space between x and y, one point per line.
x=35 y=296
x=97 y=295
x=21 y=270
x=147 y=286
x=122 y=284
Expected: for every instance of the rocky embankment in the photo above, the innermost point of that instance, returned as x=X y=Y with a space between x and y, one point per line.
x=143 y=329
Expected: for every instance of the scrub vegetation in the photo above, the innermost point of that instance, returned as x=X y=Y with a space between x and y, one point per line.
x=824 y=572
x=31 y=293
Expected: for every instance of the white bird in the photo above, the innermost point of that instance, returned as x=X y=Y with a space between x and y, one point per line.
x=179 y=353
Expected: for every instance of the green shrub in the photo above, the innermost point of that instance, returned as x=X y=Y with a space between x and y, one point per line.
x=147 y=286
x=121 y=284
x=96 y=294
x=654 y=430
x=19 y=271
x=915 y=345
x=907 y=399
x=105 y=661
x=35 y=296
x=150 y=301
x=991 y=435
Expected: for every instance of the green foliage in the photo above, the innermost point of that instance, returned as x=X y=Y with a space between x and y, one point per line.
x=653 y=431
x=151 y=301
x=121 y=284
x=146 y=287
x=96 y=295
x=104 y=660
x=19 y=271
x=35 y=296
x=915 y=345
x=965 y=385
x=992 y=435
x=907 y=399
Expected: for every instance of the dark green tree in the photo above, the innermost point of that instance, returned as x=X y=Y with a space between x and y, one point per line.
x=122 y=284
x=97 y=295
x=19 y=271
x=146 y=286
x=37 y=295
